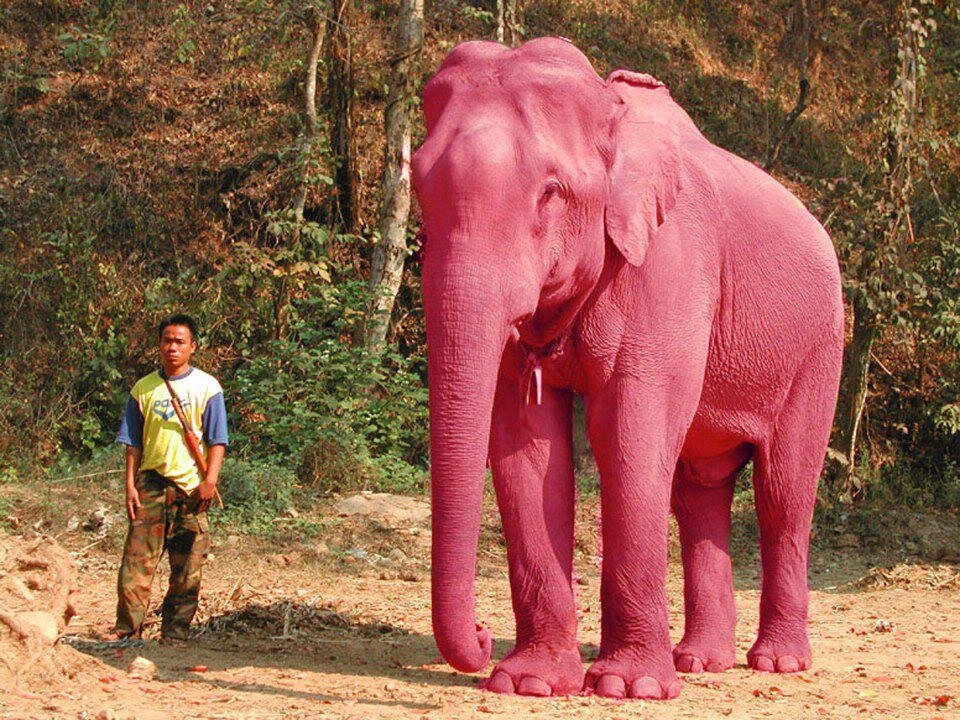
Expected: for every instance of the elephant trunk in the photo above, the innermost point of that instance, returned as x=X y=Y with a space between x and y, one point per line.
x=465 y=339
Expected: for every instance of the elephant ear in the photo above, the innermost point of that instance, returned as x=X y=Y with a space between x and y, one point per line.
x=644 y=174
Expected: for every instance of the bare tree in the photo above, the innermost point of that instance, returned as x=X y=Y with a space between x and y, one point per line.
x=802 y=46
x=340 y=102
x=312 y=19
x=311 y=15
x=508 y=25
x=386 y=268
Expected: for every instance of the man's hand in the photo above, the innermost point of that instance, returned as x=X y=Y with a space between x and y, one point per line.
x=133 y=502
x=132 y=460
x=207 y=491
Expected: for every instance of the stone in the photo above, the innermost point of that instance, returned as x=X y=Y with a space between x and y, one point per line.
x=20 y=587
x=142 y=669
x=395 y=509
x=44 y=625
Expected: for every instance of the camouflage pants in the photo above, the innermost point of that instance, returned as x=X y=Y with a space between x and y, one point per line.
x=166 y=521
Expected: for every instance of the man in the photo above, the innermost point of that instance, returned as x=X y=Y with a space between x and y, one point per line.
x=167 y=497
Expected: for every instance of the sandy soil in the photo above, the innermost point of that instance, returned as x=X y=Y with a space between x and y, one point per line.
x=310 y=631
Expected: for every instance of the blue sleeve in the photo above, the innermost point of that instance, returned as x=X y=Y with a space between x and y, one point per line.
x=131 y=425
x=215 y=422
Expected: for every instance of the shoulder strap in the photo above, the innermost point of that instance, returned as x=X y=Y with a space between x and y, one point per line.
x=192 y=445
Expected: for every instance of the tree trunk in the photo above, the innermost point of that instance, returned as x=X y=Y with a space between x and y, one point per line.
x=802 y=46
x=386 y=267
x=340 y=101
x=853 y=390
x=893 y=230
x=508 y=27
x=309 y=112
x=304 y=151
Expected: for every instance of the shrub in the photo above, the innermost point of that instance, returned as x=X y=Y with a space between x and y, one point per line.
x=318 y=403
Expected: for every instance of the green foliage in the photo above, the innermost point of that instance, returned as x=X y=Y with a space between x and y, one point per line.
x=478 y=14
x=183 y=27
x=83 y=50
x=316 y=401
x=6 y=508
x=254 y=494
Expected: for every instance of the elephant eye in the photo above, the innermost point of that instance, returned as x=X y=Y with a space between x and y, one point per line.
x=552 y=189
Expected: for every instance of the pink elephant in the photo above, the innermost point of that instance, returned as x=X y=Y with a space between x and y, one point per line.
x=582 y=236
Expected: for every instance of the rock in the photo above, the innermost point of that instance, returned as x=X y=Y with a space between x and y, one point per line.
x=882 y=626
x=142 y=669
x=321 y=548
x=232 y=540
x=398 y=556
x=44 y=624
x=98 y=519
x=106 y=714
x=357 y=553
x=395 y=509
x=20 y=587
x=73 y=523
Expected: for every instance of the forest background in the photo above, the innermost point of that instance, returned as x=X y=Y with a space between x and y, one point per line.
x=230 y=159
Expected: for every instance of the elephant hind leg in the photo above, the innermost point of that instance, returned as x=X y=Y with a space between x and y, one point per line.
x=786 y=471
x=701 y=503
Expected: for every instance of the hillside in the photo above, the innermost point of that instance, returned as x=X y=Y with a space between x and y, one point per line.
x=146 y=159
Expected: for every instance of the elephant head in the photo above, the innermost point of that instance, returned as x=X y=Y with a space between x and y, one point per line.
x=535 y=175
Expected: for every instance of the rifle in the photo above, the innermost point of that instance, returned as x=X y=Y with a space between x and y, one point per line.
x=192 y=444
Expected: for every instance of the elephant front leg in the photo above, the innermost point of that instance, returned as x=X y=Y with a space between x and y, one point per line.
x=636 y=438
x=532 y=463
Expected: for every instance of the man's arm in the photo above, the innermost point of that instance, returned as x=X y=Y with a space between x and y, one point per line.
x=131 y=435
x=215 y=435
x=134 y=454
x=208 y=488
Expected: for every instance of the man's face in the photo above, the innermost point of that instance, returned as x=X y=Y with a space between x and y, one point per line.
x=176 y=345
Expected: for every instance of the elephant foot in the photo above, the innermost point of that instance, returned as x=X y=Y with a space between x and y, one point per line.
x=779 y=654
x=627 y=675
x=698 y=655
x=538 y=670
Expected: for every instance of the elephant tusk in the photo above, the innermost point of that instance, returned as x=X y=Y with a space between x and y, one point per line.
x=534 y=375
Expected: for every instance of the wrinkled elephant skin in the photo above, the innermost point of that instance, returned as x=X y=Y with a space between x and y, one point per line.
x=582 y=236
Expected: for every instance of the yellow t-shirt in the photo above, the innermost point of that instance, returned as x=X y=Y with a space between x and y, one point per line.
x=160 y=436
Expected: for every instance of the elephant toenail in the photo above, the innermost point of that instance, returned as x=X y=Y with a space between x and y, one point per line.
x=646 y=688
x=501 y=683
x=611 y=686
x=788 y=664
x=673 y=690
x=689 y=664
x=533 y=686
x=763 y=664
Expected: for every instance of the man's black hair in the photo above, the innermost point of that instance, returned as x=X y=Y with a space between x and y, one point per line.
x=178 y=319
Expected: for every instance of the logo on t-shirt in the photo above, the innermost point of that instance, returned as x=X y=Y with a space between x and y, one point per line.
x=164 y=408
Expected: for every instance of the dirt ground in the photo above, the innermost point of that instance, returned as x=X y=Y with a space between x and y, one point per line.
x=338 y=626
